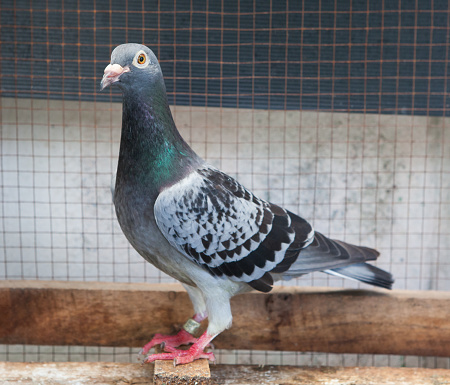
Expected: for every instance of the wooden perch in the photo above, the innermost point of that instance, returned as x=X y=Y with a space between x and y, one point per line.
x=195 y=373
x=289 y=318
x=106 y=373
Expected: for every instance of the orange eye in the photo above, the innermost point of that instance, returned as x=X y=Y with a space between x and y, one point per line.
x=141 y=59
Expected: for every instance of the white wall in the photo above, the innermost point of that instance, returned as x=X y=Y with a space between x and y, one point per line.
x=378 y=180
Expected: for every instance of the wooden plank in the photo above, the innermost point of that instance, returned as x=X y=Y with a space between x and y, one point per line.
x=79 y=373
x=89 y=313
x=291 y=375
x=289 y=318
x=102 y=373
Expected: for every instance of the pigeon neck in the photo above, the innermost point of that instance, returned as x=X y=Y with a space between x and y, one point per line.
x=152 y=150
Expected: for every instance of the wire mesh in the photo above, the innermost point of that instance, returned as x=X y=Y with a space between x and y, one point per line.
x=336 y=110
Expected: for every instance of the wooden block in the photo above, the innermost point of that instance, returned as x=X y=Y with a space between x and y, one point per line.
x=288 y=318
x=195 y=373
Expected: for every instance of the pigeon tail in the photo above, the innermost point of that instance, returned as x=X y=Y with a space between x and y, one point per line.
x=366 y=273
x=341 y=259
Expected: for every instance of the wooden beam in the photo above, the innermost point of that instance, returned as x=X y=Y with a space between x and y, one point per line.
x=289 y=318
x=105 y=373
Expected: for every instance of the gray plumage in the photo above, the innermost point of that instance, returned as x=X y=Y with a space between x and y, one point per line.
x=198 y=224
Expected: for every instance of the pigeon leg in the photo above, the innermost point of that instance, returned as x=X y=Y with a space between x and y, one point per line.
x=183 y=337
x=195 y=352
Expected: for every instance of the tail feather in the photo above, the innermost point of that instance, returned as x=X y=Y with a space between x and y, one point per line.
x=339 y=258
x=365 y=273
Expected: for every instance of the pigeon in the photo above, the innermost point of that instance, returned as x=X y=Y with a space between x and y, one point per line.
x=201 y=226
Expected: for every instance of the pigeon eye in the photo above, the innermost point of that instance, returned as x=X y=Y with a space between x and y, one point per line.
x=141 y=59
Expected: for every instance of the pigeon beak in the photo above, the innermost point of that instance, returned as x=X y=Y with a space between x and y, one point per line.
x=112 y=74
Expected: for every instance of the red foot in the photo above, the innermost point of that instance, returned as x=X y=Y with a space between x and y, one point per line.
x=195 y=352
x=181 y=338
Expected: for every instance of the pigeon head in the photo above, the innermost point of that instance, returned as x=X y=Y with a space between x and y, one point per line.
x=133 y=68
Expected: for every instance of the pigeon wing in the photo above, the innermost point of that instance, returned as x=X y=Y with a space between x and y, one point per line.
x=214 y=221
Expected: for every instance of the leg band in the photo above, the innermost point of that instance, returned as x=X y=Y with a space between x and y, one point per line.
x=191 y=326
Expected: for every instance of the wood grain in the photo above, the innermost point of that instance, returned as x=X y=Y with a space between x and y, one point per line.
x=105 y=373
x=289 y=318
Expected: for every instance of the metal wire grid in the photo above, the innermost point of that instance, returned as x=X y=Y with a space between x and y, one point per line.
x=376 y=179
x=364 y=56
